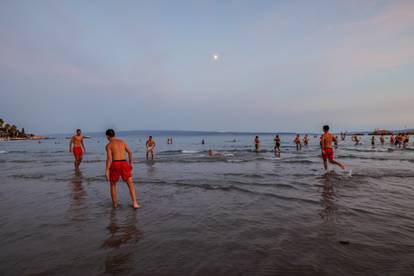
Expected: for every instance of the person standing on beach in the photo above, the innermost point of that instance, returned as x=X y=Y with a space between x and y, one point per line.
x=298 y=142
x=277 y=144
x=78 y=147
x=117 y=166
x=257 y=144
x=150 y=147
x=373 y=141
x=327 y=150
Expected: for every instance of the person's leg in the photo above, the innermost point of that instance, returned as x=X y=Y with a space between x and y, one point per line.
x=113 y=194
x=131 y=188
x=147 y=154
x=325 y=164
x=332 y=161
x=77 y=163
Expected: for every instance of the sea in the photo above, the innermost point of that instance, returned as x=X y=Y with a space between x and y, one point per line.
x=239 y=213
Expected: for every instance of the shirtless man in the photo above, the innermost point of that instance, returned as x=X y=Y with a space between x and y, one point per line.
x=117 y=166
x=150 y=147
x=392 y=139
x=277 y=144
x=382 y=139
x=298 y=142
x=257 y=144
x=213 y=153
x=78 y=147
x=306 y=140
x=355 y=139
x=327 y=150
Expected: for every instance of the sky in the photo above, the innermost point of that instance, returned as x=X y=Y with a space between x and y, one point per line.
x=136 y=65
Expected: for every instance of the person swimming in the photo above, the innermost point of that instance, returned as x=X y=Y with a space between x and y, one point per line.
x=373 y=141
x=382 y=139
x=213 y=153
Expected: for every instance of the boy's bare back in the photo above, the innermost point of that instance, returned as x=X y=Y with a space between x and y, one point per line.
x=327 y=140
x=117 y=149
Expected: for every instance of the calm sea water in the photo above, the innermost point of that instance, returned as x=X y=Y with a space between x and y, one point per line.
x=243 y=213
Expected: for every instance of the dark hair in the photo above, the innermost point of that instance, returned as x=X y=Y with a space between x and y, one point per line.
x=78 y=130
x=110 y=132
x=325 y=127
x=150 y=136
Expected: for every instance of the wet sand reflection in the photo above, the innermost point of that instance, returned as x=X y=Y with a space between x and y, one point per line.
x=77 y=209
x=122 y=238
x=328 y=198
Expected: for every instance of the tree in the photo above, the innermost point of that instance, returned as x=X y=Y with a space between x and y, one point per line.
x=12 y=131
x=1 y=123
x=6 y=128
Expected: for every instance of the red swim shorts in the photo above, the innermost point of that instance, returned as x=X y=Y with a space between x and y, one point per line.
x=78 y=152
x=120 y=169
x=329 y=154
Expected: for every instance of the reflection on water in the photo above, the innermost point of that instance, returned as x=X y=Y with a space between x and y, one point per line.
x=77 y=209
x=151 y=169
x=122 y=238
x=328 y=199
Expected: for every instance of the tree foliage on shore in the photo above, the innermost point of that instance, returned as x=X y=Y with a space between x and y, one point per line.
x=10 y=131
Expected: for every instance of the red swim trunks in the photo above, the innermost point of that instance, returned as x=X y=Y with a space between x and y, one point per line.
x=329 y=154
x=77 y=152
x=120 y=169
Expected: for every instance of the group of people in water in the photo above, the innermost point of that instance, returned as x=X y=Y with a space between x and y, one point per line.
x=117 y=165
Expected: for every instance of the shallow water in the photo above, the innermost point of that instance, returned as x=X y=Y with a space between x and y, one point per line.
x=243 y=213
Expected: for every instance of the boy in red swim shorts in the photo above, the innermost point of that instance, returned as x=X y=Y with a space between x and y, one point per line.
x=78 y=147
x=327 y=151
x=117 y=166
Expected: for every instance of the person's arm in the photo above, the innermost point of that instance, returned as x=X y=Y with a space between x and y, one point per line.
x=83 y=146
x=323 y=143
x=129 y=151
x=70 y=144
x=108 y=161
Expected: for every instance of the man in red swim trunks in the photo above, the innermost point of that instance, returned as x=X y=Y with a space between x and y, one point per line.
x=327 y=151
x=78 y=147
x=117 y=166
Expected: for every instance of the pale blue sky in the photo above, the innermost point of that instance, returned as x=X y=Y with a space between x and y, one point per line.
x=283 y=66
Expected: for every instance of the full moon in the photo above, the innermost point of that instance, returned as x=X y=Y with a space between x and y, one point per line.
x=215 y=57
